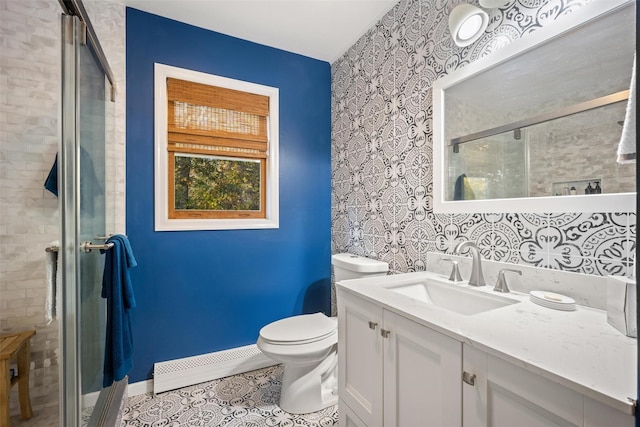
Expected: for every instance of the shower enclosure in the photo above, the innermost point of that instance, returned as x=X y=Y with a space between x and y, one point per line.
x=87 y=129
x=553 y=154
x=495 y=167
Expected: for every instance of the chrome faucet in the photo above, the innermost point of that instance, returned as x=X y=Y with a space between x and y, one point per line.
x=476 y=279
x=455 y=271
x=501 y=284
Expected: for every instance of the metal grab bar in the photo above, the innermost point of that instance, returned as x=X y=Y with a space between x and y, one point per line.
x=88 y=246
x=564 y=112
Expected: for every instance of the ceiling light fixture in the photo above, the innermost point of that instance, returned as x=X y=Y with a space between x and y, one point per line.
x=467 y=23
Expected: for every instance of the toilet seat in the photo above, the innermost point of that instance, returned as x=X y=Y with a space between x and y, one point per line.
x=302 y=329
x=307 y=346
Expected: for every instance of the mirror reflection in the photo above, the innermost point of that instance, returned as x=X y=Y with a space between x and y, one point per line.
x=546 y=122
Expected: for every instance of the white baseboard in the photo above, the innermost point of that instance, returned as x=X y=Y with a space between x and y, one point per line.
x=134 y=389
x=141 y=387
x=179 y=373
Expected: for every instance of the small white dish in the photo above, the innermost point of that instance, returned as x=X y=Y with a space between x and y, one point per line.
x=552 y=300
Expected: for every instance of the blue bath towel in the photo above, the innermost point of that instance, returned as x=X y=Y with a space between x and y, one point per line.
x=458 y=189
x=462 y=190
x=51 y=183
x=118 y=290
x=90 y=185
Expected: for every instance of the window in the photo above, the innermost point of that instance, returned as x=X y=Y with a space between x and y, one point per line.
x=216 y=152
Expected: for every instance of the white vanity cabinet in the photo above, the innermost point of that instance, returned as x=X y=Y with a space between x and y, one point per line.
x=394 y=372
x=500 y=394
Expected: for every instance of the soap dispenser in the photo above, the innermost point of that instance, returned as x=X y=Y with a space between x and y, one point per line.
x=589 y=189
x=598 y=189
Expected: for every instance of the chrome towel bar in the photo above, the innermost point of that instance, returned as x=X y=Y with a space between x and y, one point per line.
x=86 y=247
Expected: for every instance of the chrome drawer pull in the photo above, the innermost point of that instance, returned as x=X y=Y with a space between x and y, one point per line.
x=384 y=333
x=372 y=325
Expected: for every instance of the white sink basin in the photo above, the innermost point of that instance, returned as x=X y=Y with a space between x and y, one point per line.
x=452 y=297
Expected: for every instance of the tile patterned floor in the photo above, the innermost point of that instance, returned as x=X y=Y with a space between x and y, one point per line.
x=245 y=400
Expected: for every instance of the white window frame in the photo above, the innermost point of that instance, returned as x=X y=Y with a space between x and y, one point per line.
x=161 y=177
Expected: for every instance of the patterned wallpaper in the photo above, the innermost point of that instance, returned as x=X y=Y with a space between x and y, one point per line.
x=382 y=203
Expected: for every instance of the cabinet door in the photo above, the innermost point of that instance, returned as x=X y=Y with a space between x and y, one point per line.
x=347 y=418
x=422 y=371
x=505 y=395
x=360 y=358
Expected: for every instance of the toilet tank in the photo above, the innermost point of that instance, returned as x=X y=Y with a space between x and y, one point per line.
x=348 y=266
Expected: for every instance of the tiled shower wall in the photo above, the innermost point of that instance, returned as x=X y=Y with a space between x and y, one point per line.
x=30 y=86
x=382 y=187
x=592 y=134
x=108 y=20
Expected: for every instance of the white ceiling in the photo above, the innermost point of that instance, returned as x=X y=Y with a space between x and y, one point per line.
x=320 y=29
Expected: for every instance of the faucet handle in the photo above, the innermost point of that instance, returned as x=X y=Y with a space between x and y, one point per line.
x=501 y=284
x=455 y=271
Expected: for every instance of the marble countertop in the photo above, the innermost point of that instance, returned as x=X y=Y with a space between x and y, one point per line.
x=577 y=349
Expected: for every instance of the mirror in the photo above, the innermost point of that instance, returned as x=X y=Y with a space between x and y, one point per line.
x=535 y=126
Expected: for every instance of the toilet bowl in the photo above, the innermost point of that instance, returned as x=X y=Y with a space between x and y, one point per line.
x=306 y=345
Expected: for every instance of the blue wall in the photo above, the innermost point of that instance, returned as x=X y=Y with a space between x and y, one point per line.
x=204 y=291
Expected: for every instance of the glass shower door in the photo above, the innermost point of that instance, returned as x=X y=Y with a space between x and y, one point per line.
x=85 y=125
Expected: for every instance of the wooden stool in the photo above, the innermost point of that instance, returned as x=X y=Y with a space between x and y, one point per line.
x=16 y=346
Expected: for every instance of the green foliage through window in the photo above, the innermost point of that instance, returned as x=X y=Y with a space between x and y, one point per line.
x=215 y=183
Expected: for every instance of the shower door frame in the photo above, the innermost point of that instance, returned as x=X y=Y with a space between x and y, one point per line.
x=69 y=213
x=76 y=32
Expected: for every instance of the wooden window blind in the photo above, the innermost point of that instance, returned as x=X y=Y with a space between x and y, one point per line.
x=216 y=121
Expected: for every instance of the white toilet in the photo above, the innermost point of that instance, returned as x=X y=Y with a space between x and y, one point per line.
x=306 y=345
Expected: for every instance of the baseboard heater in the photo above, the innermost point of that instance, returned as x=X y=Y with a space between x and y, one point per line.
x=179 y=373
